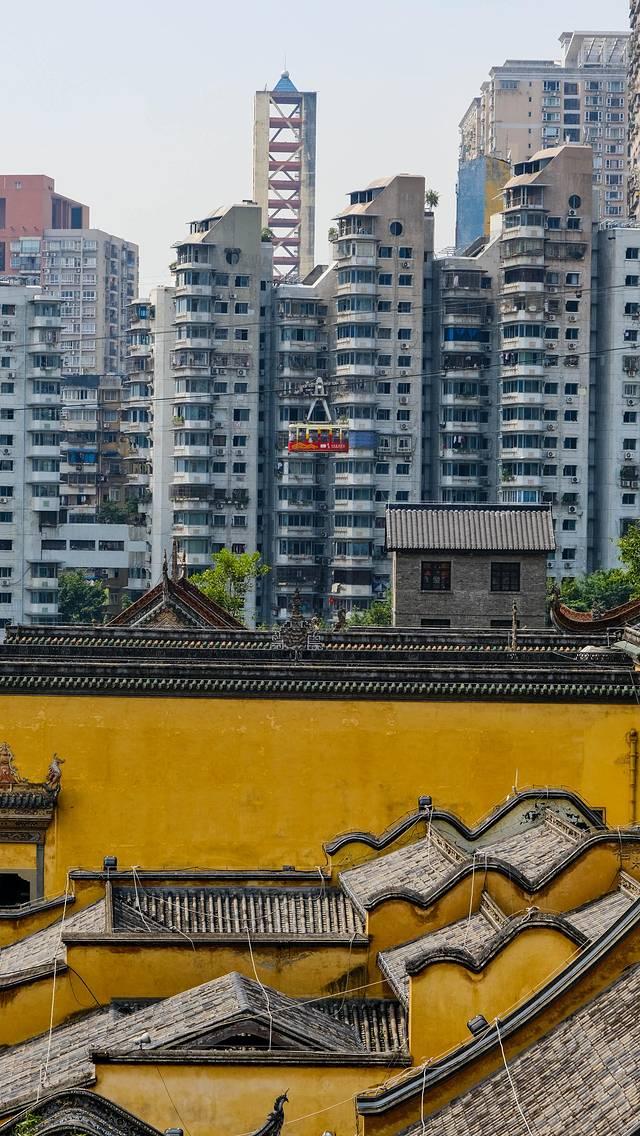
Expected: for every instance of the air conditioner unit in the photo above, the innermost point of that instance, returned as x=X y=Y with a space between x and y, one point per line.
x=404 y=425
x=572 y=319
x=380 y=371
x=405 y=264
x=403 y=373
x=628 y=455
x=222 y=370
x=6 y=583
x=571 y=347
x=551 y=453
x=575 y=480
x=572 y=508
x=240 y=371
x=630 y=402
x=220 y=452
x=403 y=400
x=551 y=316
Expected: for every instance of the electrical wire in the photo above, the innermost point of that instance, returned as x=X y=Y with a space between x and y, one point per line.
x=511 y=1082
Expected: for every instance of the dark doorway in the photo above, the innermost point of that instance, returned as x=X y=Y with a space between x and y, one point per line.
x=14 y=889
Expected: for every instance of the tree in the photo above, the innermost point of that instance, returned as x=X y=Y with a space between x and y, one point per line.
x=228 y=582
x=80 y=601
x=378 y=614
x=266 y=234
x=629 y=546
x=432 y=198
x=601 y=590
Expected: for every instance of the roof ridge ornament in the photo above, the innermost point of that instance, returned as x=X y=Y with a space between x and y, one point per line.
x=297 y=633
x=9 y=775
x=273 y=1124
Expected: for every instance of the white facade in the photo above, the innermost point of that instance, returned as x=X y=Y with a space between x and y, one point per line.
x=617 y=383
x=96 y=276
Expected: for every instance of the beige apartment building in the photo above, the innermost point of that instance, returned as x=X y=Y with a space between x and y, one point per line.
x=530 y=105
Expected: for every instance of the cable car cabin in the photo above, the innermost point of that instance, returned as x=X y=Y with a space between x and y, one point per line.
x=318 y=439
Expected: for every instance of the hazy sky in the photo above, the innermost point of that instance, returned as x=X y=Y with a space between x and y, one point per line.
x=144 y=110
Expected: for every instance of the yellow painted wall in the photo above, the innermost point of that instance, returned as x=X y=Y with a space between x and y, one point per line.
x=445 y=996
x=214 y=1100
x=408 y=1113
x=219 y=782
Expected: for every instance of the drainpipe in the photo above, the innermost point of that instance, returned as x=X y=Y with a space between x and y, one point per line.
x=632 y=739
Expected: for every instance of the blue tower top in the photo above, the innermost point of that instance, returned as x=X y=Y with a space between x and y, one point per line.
x=284 y=83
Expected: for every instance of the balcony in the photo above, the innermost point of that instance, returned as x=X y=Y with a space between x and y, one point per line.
x=194 y=317
x=198 y=451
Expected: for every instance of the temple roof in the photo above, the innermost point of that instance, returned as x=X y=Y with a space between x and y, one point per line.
x=588 y=622
x=174 y=602
x=232 y=1013
x=481 y=528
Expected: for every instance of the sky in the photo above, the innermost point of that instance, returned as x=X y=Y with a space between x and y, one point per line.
x=143 y=111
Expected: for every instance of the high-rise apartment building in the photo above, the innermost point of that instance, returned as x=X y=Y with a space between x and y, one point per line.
x=529 y=105
x=29 y=205
x=616 y=364
x=284 y=174
x=633 y=81
x=209 y=384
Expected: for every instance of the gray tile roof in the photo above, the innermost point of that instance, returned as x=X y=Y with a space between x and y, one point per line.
x=420 y=867
x=487 y=926
x=39 y=950
x=582 y=1078
x=424 y=866
x=189 y=1020
x=472 y=935
x=486 y=528
x=381 y=1025
x=214 y=910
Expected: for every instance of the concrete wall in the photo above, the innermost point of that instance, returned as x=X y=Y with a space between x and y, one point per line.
x=470 y=603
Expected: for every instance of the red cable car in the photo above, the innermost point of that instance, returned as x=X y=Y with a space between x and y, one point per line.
x=318 y=438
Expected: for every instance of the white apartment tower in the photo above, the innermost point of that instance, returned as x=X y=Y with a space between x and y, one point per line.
x=616 y=362
x=96 y=276
x=359 y=329
x=206 y=400
x=284 y=174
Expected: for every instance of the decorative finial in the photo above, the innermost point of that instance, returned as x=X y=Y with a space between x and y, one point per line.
x=9 y=775
x=165 y=574
x=275 y=1119
x=54 y=773
x=174 y=560
x=183 y=564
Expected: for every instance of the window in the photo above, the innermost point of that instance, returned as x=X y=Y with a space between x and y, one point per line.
x=241 y=309
x=568 y=553
x=384 y=305
x=385 y=252
x=632 y=253
x=405 y=279
x=569 y=525
x=384 y=278
x=571 y=415
x=395 y=228
x=6 y=388
x=240 y=388
x=239 y=440
x=81 y=545
x=110 y=546
x=570 y=443
x=239 y=467
x=241 y=414
x=6 y=518
x=404 y=361
x=403 y=333
x=403 y=468
x=631 y=281
x=404 y=306
x=571 y=333
x=435 y=576
x=630 y=417
x=570 y=388
x=569 y=470
x=629 y=443
x=242 y=281
x=505 y=577
x=572 y=279
x=628 y=498
x=241 y=333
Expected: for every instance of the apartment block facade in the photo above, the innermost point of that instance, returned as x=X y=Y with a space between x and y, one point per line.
x=616 y=363
x=633 y=80
x=529 y=105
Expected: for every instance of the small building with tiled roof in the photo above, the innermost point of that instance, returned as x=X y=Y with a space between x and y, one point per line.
x=479 y=566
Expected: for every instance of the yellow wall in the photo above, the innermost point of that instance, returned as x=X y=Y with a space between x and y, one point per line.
x=238 y=1098
x=445 y=996
x=217 y=782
